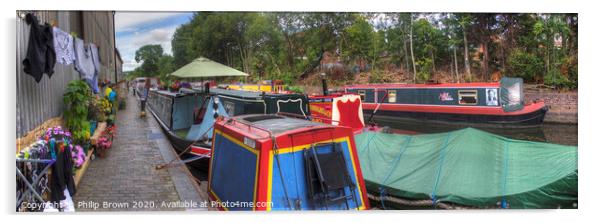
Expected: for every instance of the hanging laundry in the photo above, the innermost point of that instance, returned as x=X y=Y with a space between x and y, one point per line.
x=84 y=63
x=40 y=57
x=62 y=173
x=63 y=46
x=96 y=60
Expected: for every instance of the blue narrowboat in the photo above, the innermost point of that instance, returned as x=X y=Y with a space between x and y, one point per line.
x=276 y=162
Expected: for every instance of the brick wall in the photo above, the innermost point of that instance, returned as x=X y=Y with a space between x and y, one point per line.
x=563 y=105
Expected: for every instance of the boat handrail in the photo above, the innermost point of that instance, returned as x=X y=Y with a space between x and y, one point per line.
x=379 y=103
x=293 y=115
x=232 y=120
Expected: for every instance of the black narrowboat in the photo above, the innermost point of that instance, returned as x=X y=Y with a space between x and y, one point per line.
x=499 y=103
x=187 y=116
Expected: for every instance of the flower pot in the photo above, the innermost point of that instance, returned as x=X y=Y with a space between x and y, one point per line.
x=101 y=152
x=93 y=125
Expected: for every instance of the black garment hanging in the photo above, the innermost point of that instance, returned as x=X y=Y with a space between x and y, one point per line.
x=40 y=56
x=62 y=174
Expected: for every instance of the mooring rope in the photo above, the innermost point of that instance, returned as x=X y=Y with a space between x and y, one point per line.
x=277 y=155
x=505 y=176
x=161 y=166
x=382 y=190
x=367 y=144
x=420 y=203
x=443 y=152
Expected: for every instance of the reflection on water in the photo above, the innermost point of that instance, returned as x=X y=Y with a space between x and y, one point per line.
x=564 y=134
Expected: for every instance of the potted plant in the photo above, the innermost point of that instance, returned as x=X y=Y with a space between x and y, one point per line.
x=122 y=104
x=95 y=113
x=106 y=141
x=103 y=144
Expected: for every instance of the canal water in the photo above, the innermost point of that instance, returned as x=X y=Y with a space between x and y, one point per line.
x=564 y=134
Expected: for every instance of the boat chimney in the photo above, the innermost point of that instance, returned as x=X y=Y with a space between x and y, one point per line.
x=324 y=84
x=207 y=87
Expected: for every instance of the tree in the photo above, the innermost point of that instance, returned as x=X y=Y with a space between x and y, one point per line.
x=360 y=40
x=288 y=45
x=465 y=21
x=411 y=36
x=149 y=55
x=550 y=29
x=428 y=41
x=166 y=66
x=265 y=40
x=484 y=26
x=453 y=32
x=181 y=45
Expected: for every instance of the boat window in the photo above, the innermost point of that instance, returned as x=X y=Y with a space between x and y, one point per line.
x=392 y=96
x=514 y=95
x=362 y=94
x=229 y=107
x=467 y=97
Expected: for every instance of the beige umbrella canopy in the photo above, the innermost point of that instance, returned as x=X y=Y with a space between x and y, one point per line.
x=203 y=67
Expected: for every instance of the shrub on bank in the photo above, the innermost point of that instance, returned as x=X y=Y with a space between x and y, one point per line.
x=525 y=65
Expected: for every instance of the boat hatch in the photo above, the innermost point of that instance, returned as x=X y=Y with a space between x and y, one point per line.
x=326 y=175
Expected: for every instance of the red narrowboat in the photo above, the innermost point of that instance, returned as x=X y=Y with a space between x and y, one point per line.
x=500 y=103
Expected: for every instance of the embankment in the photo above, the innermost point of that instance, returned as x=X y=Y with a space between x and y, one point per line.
x=562 y=105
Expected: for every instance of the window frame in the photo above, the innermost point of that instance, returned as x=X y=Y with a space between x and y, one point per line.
x=464 y=93
x=362 y=94
x=394 y=96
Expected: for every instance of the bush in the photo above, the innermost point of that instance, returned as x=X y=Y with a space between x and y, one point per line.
x=425 y=66
x=555 y=78
x=296 y=89
x=524 y=65
x=95 y=109
x=568 y=68
x=76 y=100
x=376 y=76
x=286 y=77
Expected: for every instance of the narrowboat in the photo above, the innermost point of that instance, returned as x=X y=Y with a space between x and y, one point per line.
x=276 y=162
x=187 y=116
x=265 y=86
x=452 y=170
x=500 y=103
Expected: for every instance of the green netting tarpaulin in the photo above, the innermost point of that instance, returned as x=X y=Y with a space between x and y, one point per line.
x=469 y=167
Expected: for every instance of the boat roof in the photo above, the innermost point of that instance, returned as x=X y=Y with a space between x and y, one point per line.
x=276 y=124
x=246 y=94
x=444 y=85
x=169 y=93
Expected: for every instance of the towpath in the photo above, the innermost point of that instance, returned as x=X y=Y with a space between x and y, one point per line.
x=126 y=179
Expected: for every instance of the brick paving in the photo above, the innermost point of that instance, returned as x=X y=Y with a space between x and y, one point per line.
x=127 y=177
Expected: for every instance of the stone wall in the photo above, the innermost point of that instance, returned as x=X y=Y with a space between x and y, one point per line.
x=563 y=105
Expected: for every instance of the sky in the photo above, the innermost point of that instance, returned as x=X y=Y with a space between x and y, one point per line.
x=136 y=29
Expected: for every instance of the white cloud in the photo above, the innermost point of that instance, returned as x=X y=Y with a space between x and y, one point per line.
x=130 y=65
x=156 y=36
x=128 y=44
x=136 y=29
x=127 y=21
